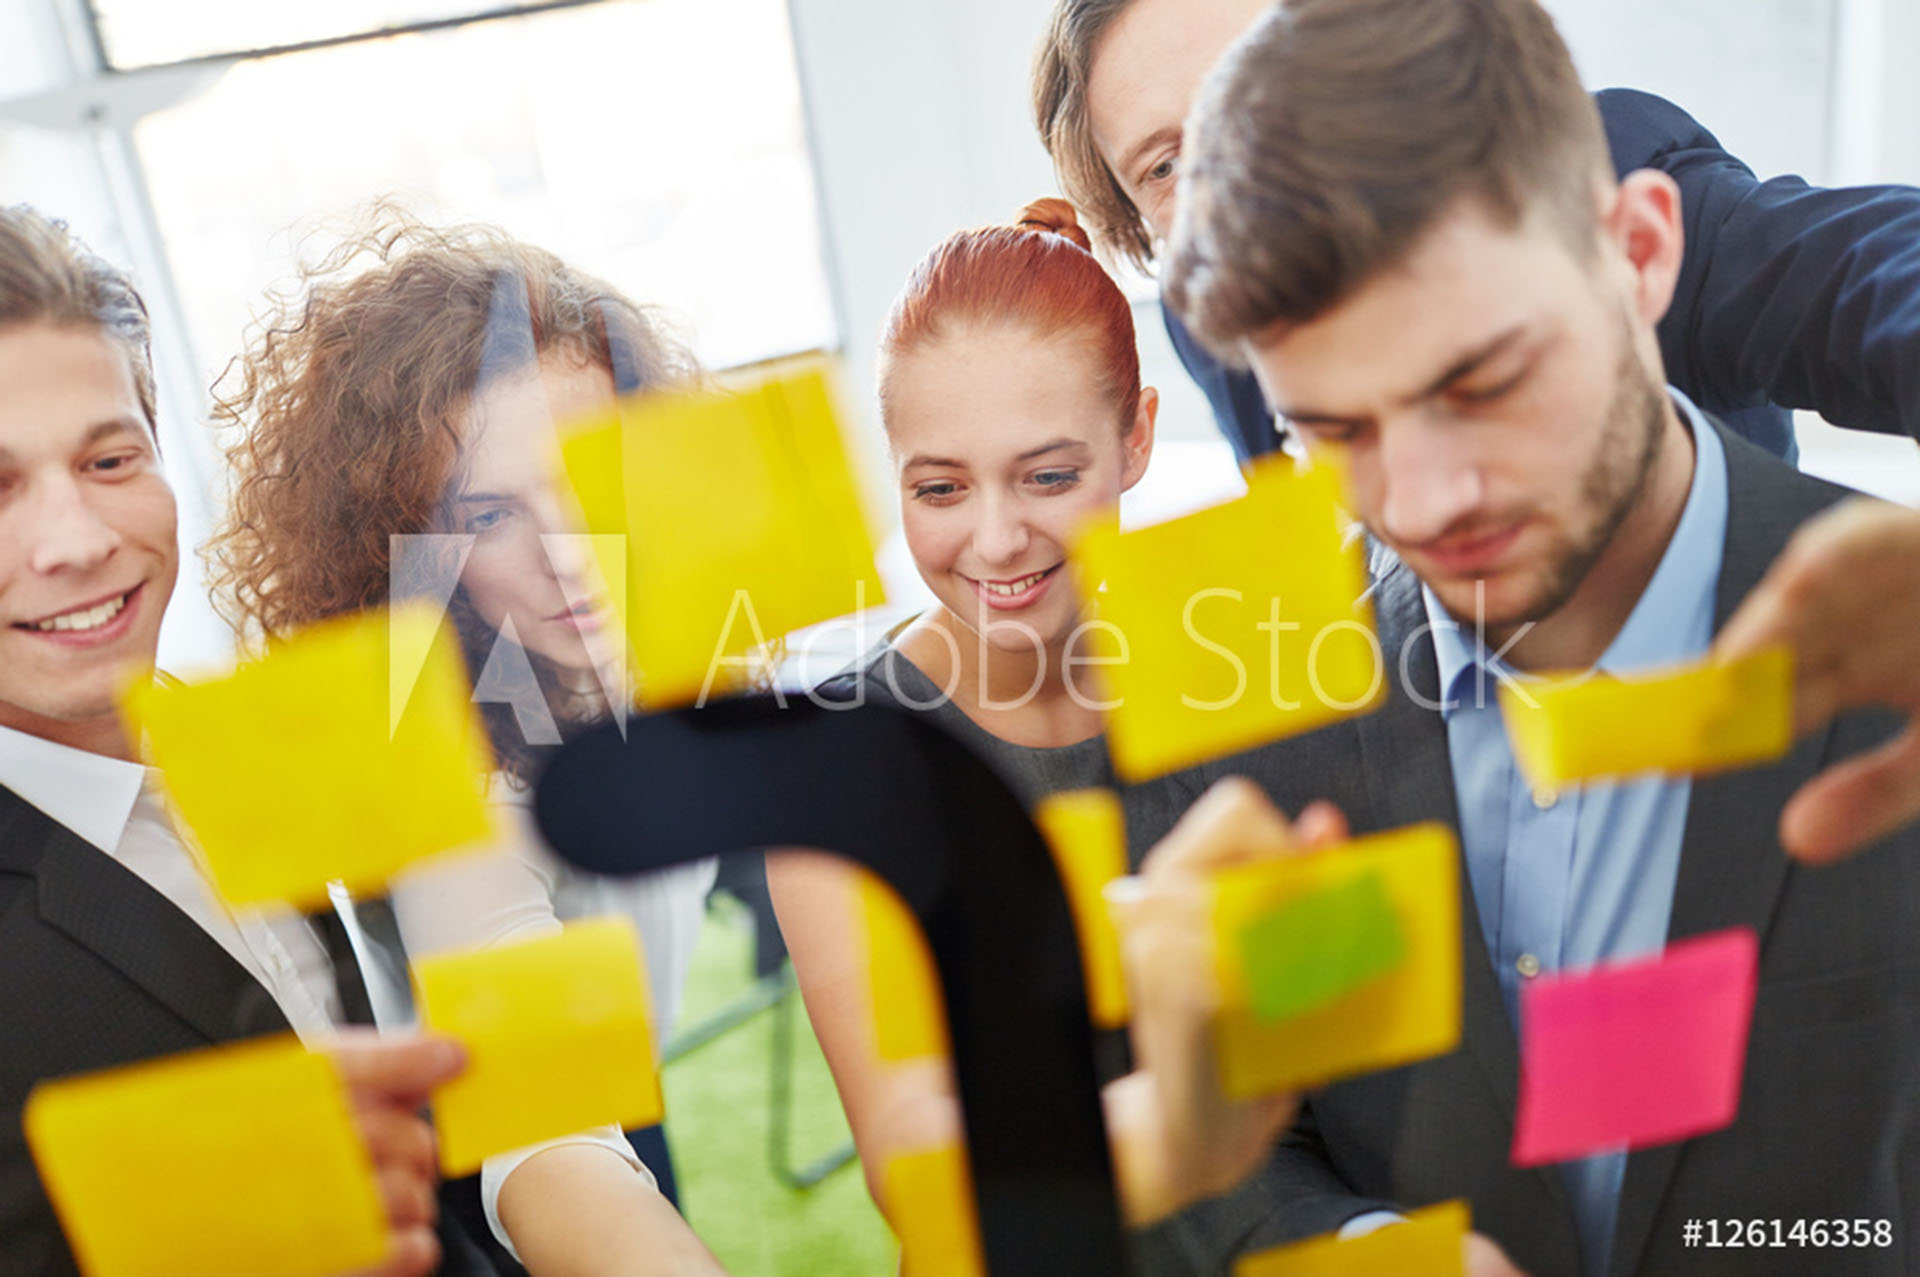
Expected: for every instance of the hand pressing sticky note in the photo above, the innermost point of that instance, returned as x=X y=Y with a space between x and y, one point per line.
x=235 y=1160
x=1703 y=718
x=909 y=1011
x=299 y=768
x=1086 y=830
x=1635 y=1054
x=1231 y=627
x=1406 y=1010
x=709 y=579
x=558 y=1039
x=1429 y=1243
x=1312 y=949
x=929 y=1200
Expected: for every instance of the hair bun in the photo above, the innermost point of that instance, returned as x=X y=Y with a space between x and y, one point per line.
x=1055 y=215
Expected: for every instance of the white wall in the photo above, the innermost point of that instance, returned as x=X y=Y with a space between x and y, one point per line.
x=1758 y=73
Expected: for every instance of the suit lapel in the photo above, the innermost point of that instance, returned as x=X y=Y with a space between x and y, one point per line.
x=1409 y=776
x=113 y=913
x=1732 y=867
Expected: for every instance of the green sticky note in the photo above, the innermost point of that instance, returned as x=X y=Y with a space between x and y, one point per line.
x=1314 y=948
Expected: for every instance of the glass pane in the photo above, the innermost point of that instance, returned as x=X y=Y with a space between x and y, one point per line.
x=137 y=33
x=658 y=144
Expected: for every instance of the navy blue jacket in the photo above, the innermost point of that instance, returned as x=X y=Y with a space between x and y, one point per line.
x=1790 y=296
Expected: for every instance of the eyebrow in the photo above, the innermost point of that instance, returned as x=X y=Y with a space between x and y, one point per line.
x=1139 y=150
x=1470 y=362
x=477 y=498
x=95 y=433
x=923 y=459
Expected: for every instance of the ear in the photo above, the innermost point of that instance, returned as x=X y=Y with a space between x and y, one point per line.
x=1643 y=225
x=1139 y=440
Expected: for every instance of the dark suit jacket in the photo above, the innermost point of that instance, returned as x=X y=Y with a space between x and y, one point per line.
x=97 y=969
x=1828 y=1126
x=1788 y=295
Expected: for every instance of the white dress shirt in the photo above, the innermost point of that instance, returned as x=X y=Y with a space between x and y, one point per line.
x=467 y=901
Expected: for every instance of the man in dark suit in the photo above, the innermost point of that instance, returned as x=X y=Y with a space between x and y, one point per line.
x=1789 y=296
x=1401 y=213
x=109 y=947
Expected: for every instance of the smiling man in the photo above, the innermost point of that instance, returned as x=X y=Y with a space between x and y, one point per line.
x=112 y=948
x=1401 y=213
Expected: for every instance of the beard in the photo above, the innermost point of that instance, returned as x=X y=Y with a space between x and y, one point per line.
x=1616 y=479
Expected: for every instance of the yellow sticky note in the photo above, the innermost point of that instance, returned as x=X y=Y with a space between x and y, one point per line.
x=558 y=1039
x=233 y=1160
x=1234 y=626
x=743 y=521
x=1699 y=718
x=1431 y=1243
x=297 y=768
x=930 y=1205
x=1410 y=1012
x=909 y=1011
x=1086 y=830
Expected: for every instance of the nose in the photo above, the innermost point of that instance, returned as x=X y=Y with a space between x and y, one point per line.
x=68 y=533
x=1001 y=537
x=1430 y=480
x=569 y=552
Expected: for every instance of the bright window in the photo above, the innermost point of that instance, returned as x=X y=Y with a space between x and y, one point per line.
x=659 y=144
x=139 y=33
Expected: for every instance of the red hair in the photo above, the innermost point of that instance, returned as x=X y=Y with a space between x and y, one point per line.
x=1039 y=273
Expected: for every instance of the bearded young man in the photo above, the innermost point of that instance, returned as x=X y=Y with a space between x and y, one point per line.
x=1401 y=213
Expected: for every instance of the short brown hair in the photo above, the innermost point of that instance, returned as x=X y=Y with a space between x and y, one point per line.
x=48 y=276
x=1061 y=66
x=1337 y=132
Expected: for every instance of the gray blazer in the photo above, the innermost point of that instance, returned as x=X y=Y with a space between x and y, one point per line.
x=1829 y=1122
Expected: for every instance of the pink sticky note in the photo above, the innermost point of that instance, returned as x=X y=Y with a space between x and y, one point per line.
x=1636 y=1053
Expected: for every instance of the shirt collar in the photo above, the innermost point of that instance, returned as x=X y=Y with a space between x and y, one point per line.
x=1665 y=626
x=89 y=793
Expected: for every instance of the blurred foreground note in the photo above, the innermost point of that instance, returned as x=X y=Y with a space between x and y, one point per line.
x=236 y=1160
x=298 y=768
x=1430 y=1243
x=1635 y=1054
x=909 y=1010
x=930 y=1204
x=742 y=519
x=1395 y=994
x=558 y=1039
x=1233 y=626
x=1702 y=718
x=1086 y=831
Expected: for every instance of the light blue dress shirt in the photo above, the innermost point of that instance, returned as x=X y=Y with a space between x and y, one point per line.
x=1566 y=880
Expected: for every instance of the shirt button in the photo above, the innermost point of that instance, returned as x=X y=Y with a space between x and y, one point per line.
x=1527 y=965
x=1546 y=799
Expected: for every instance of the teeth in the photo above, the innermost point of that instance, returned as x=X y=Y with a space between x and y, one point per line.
x=1011 y=588
x=91 y=619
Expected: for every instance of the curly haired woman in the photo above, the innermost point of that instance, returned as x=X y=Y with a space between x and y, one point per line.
x=394 y=430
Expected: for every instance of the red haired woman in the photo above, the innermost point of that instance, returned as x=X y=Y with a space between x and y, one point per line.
x=1011 y=397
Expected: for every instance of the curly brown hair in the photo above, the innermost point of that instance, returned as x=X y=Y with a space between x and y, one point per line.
x=348 y=405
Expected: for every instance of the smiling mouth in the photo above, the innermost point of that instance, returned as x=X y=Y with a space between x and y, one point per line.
x=1019 y=585
x=80 y=620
